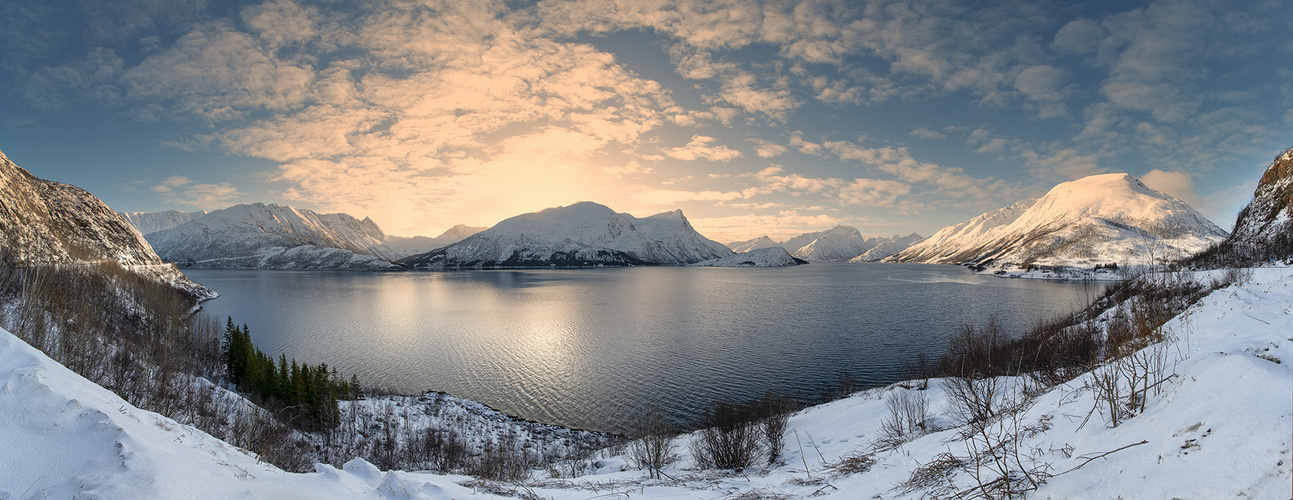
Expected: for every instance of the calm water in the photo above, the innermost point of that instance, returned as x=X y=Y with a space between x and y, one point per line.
x=594 y=348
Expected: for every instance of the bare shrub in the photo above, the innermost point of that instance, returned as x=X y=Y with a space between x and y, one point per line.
x=774 y=410
x=653 y=448
x=908 y=415
x=729 y=437
x=998 y=460
x=972 y=361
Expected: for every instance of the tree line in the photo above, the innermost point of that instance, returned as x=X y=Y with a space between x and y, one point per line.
x=304 y=396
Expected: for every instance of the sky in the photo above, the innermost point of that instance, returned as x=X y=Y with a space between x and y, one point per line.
x=755 y=118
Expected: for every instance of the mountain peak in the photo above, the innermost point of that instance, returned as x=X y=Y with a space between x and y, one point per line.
x=1099 y=218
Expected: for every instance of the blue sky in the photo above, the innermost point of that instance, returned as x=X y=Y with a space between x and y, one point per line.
x=753 y=117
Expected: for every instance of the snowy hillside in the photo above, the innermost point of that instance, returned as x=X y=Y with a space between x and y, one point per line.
x=836 y=244
x=1109 y=218
x=761 y=257
x=840 y=243
x=151 y=222
x=43 y=223
x=1217 y=427
x=578 y=235
x=753 y=244
x=398 y=247
x=885 y=247
x=272 y=236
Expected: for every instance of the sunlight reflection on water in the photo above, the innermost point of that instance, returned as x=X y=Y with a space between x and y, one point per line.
x=593 y=348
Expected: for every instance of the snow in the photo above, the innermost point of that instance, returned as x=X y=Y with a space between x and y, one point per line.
x=260 y=236
x=1219 y=428
x=53 y=224
x=582 y=234
x=151 y=222
x=405 y=246
x=753 y=244
x=1108 y=218
x=762 y=257
x=840 y=243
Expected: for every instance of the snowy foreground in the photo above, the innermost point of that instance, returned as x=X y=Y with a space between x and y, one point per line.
x=1220 y=428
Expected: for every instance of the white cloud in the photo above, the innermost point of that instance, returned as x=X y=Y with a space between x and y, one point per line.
x=1178 y=184
x=702 y=148
x=1062 y=165
x=1041 y=85
x=184 y=191
x=765 y=149
x=924 y=132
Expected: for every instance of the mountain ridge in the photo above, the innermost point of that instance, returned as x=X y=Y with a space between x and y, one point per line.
x=1106 y=218
x=50 y=223
x=583 y=234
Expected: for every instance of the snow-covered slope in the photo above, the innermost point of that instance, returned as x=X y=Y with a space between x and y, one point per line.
x=1098 y=219
x=885 y=247
x=1218 y=428
x=835 y=244
x=44 y=223
x=759 y=257
x=65 y=437
x=578 y=235
x=399 y=247
x=839 y=243
x=151 y=222
x=753 y=244
x=273 y=237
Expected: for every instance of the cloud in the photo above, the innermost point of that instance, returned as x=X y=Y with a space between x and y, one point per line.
x=170 y=183
x=1041 y=85
x=924 y=132
x=184 y=191
x=700 y=148
x=1178 y=184
x=1062 y=165
x=217 y=73
x=765 y=149
x=631 y=168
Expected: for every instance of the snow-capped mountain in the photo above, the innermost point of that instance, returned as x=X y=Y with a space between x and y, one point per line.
x=754 y=244
x=839 y=243
x=759 y=257
x=1265 y=226
x=1097 y=219
x=885 y=247
x=151 y=222
x=578 y=235
x=399 y=247
x=49 y=223
x=260 y=236
x=835 y=244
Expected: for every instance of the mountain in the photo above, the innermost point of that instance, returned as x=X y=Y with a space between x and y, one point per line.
x=835 y=244
x=49 y=223
x=151 y=222
x=1264 y=229
x=840 y=243
x=260 y=236
x=759 y=257
x=399 y=247
x=1108 y=218
x=754 y=244
x=885 y=247
x=1266 y=224
x=579 y=235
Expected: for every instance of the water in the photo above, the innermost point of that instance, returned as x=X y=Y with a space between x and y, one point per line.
x=596 y=348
